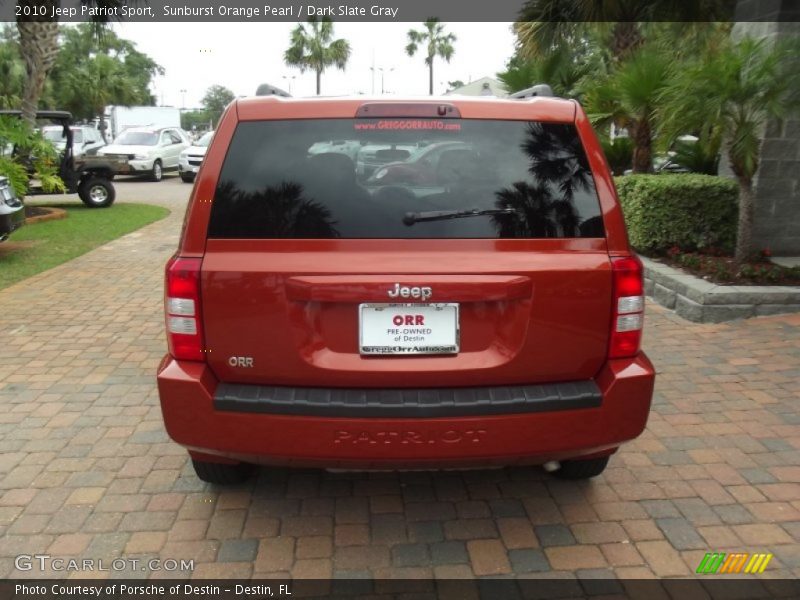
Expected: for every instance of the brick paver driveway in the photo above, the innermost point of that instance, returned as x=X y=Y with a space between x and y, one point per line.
x=86 y=469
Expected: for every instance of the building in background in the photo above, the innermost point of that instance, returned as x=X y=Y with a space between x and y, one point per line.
x=485 y=86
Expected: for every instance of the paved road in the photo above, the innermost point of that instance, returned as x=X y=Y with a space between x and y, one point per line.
x=86 y=469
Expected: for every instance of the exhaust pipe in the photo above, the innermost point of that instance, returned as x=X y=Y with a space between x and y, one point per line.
x=551 y=466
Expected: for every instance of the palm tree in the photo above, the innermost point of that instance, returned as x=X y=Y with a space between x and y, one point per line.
x=560 y=69
x=313 y=47
x=78 y=47
x=101 y=81
x=544 y=24
x=437 y=42
x=629 y=97
x=12 y=76
x=38 y=44
x=731 y=94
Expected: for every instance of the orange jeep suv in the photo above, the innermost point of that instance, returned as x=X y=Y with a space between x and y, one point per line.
x=469 y=300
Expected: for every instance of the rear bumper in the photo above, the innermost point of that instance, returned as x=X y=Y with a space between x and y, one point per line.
x=187 y=391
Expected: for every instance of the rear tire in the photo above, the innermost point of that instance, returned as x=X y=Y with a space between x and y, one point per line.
x=158 y=171
x=221 y=473
x=582 y=468
x=97 y=192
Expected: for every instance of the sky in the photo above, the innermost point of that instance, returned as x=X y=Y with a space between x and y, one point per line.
x=240 y=56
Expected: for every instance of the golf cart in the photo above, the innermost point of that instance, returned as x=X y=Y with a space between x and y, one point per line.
x=88 y=176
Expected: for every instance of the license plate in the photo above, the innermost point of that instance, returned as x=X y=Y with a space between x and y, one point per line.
x=400 y=329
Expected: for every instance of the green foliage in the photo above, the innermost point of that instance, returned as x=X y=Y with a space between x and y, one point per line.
x=628 y=96
x=686 y=211
x=24 y=153
x=435 y=41
x=619 y=153
x=16 y=173
x=312 y=47
x=98 y=82
x=730 y=91
x=701 y=156
x=12 y=69
x=195 y=119
x=623 y=24
x=562 y=70
x=616 y=58
x=96 y=68
x=217 y=97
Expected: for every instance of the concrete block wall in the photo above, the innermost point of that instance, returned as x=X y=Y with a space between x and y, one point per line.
x=777 y=218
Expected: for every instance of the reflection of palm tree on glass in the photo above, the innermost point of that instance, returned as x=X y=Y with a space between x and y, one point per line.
x=280 y=211
x=557 y=157
x=559 y=169
x=537 y=213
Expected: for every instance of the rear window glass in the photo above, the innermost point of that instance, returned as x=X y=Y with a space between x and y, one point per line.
x=405 y=178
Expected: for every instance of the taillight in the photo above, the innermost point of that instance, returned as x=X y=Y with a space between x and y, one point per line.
x=628 y=312
x=182 y=306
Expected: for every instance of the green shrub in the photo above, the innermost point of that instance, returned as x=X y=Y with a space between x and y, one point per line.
x=25 y=153
x=687 y=211
x=619 y=153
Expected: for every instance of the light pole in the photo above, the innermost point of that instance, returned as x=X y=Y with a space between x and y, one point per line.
x=183 y=99
x=383 y=71
x=289 y=79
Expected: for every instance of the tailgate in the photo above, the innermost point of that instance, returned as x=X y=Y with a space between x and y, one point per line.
x=523 y=315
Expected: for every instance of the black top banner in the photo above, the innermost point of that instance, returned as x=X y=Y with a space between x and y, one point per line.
x=266 y=11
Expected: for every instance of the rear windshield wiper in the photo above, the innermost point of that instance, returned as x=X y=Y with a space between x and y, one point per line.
x=438 y=215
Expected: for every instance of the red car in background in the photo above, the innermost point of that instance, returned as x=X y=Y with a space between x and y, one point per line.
x=316 y=317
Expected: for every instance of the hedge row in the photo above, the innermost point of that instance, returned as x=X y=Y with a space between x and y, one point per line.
x=689 y=211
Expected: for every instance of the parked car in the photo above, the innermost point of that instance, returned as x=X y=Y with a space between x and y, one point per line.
x=148 y=151
x=88 y=176
x=349 y=148
x=191 y=158
x=373 y=156
x=421 y=167
x=492 y=319
x=86 y=140
x=12 y=211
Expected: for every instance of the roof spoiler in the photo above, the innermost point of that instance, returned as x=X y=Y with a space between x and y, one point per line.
x=265 y=89
x=541 y=89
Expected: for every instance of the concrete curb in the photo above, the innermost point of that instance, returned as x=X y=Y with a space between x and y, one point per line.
x=700 y=301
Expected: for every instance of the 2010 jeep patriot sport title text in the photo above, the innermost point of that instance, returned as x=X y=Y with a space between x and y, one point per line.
x=404 y=284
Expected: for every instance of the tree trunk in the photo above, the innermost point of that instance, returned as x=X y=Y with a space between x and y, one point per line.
x=627 y=38
x=38 y=42
x=319 y=81
x=642 y=147
x=744 y=229
x=430 y=77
